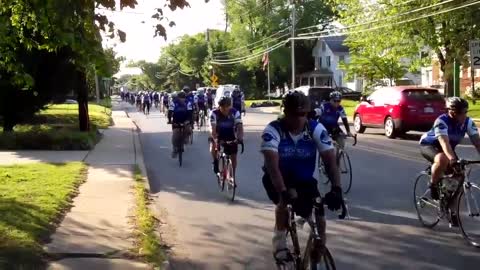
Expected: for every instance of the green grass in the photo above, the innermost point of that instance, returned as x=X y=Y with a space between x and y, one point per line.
x=148 y=243
x=32 y=200
x=249 y=102
x=349 y=106
x=56 y=128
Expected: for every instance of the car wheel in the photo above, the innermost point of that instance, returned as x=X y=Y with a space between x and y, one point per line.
x=390 y=131
x=357 y=124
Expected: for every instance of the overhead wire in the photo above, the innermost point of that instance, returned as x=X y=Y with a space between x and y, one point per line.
x=382 y=19
x=256 y=42
x=278 y=45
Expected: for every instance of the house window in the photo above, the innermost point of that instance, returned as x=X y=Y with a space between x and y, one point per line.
x=320 y=62
x=324 y=46
x=341 y=58
x=328 y=61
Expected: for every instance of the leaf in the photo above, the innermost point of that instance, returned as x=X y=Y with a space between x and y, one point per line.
x=172 y=24
x=128 y=3
x=160 y=31
x=122 y=35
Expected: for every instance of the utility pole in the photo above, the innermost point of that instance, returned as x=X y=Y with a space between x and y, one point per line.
x=293 y=7
x=268 y=77
x=97 y=88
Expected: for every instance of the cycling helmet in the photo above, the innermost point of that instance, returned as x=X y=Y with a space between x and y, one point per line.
x=174 y=94
x=181 y=95
x=335 y=95
x=236 y=92
x=225 y=101
x=457 y=104
x=186 y=89
x=200 y=92
x=296 y=101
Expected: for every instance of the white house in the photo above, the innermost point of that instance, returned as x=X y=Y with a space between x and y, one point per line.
x=328 y=53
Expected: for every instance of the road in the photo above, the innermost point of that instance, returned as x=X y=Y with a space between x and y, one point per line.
x=209 y=232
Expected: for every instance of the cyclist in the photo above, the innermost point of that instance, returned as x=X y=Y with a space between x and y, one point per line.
x=139 y=101
x=200 y=100
x=179 y=112
x=156 y=99
x=165 y=102
x=190 y=97
x=226 y=125
x=328 y=114
x=146 y=103
x=438 y=145
x=210 y=99
x=237 y=99
x=289 y=146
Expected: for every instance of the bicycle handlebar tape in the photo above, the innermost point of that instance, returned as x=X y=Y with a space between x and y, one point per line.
x=243 y=146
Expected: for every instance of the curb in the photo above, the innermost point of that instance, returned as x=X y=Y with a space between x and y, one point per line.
x=139 y=160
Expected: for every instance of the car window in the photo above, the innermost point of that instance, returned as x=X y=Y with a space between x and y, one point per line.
x=422 y=94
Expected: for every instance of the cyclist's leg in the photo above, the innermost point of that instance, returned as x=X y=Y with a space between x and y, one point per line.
x=340 y=139
x=175 y=141
x=187 y=133
x=232 y=150
x=440 y=163
x=214 y=152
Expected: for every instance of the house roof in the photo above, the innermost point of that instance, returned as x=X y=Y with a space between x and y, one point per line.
x=336 y=44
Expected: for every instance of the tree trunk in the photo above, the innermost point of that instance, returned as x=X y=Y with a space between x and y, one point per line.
x=82 y=98
x=8 y=124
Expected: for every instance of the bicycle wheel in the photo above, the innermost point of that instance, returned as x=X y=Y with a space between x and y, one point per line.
x=180 y=156
x=230 y=179
x=469 y=213
x=221 y=175
x=321 y=259
x=345 y=167
x=427 y=209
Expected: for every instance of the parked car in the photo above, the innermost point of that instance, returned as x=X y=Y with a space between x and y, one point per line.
x=399 y=109
x=348 y=93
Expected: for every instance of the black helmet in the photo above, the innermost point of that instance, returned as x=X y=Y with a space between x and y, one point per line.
x=181 y=95
x=335 y=95
x=186 y=89
x=457 y=104
x=296 y=101
x=225 y=101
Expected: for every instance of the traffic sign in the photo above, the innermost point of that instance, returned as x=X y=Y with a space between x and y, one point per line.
x=475 y=53
x=214 y=78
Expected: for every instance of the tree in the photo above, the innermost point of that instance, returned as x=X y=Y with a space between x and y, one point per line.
x=406 y=29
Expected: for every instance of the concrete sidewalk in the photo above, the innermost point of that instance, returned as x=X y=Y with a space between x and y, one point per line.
x=97 y=232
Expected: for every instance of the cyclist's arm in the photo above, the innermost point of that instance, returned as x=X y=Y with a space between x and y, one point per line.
x=269 y=148
x=327 y=153
x=440 y=129
x=344 y=117
x=472 y=132
x=213 y=125
x=239 y=126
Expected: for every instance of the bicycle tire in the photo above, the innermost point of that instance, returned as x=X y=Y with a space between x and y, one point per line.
x=231 y=184
x=180 y=156
x=423 y=202
x=323 y=258
x=221 y=177
x=346 y=186
x=472 y=241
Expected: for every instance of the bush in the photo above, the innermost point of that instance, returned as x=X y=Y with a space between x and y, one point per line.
x=265 y=104
x=106 y=102
x=43 y=137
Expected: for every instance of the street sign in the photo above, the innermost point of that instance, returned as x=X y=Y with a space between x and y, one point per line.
x=214 y=80
x=475 y=53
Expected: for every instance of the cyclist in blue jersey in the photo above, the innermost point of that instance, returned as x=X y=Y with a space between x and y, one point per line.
x=147 y=102
x=210 y=99
x=226 y=125
x=438 y=145
x=237 y=100
x=200 y=101
x=190 y=98
x=289 y=146
x=328 y=114
x=180 y=112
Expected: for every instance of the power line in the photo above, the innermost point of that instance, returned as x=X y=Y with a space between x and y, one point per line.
x=230 y=62
x=256 y=53
x=224 y=53
x=384 y=19
x=390 y=24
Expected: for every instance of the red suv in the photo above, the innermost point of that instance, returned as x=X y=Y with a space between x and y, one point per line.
x=399 y=109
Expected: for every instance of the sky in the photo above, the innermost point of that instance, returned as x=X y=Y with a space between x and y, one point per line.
x=141 y=45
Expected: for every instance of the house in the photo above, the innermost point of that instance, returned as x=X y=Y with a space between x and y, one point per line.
x=328 y=53
x=433 y=76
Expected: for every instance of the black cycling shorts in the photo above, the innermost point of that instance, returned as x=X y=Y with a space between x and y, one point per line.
x=229 y=149
x=307 y=191
x=430 y=151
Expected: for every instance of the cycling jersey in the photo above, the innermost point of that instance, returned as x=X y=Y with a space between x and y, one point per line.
x=297 y=153
x=146 y=99
x=165 y=99
x=156 y=97
x=445 y=125
x=225 y=125
x=200 y=99
x=181 y=112
x=328 y=115
x=190 y=98
x=237 y=102
x=210 y=98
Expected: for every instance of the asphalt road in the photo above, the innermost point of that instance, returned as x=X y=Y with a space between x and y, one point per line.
x=209 y=232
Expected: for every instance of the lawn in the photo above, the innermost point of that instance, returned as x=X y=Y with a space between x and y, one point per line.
x=474 y=110
x=56 y=128
x=32 y=200
x=249 y=102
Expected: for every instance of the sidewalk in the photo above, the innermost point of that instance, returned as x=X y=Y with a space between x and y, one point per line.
x=97 y=232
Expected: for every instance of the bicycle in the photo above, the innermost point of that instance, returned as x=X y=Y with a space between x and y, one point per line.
x=454 y=189
x=201 y=119
x=316 y=252
x=226 y=173
x=344 y=164
x=180 y=142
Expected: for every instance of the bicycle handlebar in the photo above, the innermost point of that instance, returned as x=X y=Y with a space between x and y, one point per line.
x=354 y=140
x=467 y=162
x=234 y=142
